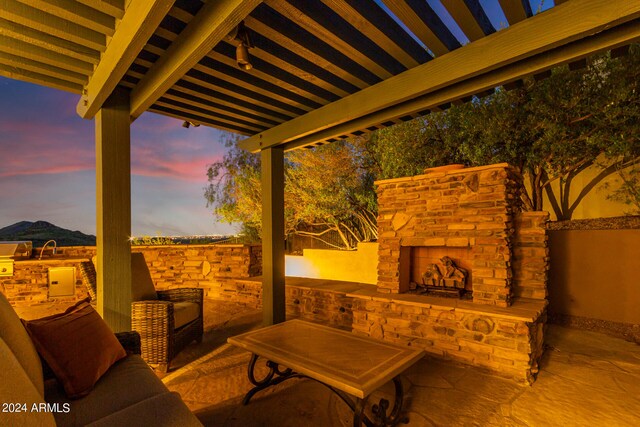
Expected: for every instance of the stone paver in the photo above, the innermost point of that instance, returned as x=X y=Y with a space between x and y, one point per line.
x=586 y=379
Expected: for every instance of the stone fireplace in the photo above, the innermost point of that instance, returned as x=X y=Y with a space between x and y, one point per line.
x=472 y=216
x=466 y=214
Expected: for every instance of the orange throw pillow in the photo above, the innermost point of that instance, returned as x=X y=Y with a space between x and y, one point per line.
x=78 y=346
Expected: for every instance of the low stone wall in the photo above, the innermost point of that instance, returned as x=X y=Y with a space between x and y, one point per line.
x=183 y=266
x=29 y=284
x=171 y=266
x=506 y=341
x=241 y=291
x=328 y=307
x=509 y=342
x=325 y=306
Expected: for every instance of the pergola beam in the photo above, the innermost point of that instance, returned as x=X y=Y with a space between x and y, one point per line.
x=474 y=23
x=17 y=73
x=562 y=26
x=138 y=24
x=49 y=42
x=417 y=26
x=516 y=10
x=212 y=23
x=42 y=68
x=38 y=20
x=114 y=8
x=619 y=36
x=76 y=12
x=36 y=53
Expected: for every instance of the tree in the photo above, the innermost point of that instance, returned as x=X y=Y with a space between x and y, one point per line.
x=330 y=189
x=327 y=189
x=234 y=189
x=628 y=190
x=587 y=118
x=408 y=148
x=550 y=130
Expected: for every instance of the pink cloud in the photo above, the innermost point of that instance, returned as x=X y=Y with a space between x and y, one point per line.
x=47 y=170
x=44 y=154
x=47 y=163
x=185 y=168
x=27 y=128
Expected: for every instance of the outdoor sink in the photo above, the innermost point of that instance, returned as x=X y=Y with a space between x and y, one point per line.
x=51 y=255
x=49 y=250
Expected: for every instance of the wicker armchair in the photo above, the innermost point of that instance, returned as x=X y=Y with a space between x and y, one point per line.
x=154 y=320
x=167 y=321
x=88 y=272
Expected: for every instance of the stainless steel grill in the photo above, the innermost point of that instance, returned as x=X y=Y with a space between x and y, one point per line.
x=10 y=251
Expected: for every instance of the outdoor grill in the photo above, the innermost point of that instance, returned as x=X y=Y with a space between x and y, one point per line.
x=11 y=251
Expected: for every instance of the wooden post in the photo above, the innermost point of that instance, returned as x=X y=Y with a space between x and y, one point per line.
x=113 y=211
x=273 y=295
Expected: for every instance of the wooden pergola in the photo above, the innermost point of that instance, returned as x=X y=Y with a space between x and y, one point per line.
x=322 y=70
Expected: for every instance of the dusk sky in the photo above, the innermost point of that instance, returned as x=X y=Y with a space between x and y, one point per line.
x=47 y=166
x=47 y=160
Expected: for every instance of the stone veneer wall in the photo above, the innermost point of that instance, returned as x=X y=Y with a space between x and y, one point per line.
x=325 y=306
x=461 y=208
x=531 y=255
x=29 y=284
x=170 y=266
x=509 y=343
x=183 y=266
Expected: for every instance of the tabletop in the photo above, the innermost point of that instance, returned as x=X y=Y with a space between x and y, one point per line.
x=355 y=364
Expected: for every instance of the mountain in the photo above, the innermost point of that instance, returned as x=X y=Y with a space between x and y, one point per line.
x=39 y=232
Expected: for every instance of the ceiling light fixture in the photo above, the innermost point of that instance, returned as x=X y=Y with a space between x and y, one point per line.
x=242 y=50
x=186 y=124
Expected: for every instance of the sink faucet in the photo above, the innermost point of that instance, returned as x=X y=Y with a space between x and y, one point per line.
x=55 y=245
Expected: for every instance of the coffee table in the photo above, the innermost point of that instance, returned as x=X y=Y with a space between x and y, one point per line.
x=352 y=366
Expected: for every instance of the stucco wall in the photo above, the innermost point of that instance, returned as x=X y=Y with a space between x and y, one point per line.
x=352 y=266
x=595 y=204
x=595 y=274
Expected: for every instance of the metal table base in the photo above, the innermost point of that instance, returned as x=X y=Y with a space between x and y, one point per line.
x=381 y=416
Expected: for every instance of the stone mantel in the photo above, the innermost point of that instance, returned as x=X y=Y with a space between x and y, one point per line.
x=440 y=172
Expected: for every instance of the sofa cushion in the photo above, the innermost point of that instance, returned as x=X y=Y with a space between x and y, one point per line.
x=19 y=394
x=126 y=383
x=185 y=312
x=164 y=410
x=78 y=346
x=15 y=336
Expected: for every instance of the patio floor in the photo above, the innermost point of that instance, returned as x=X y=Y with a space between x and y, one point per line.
x=586 y=379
